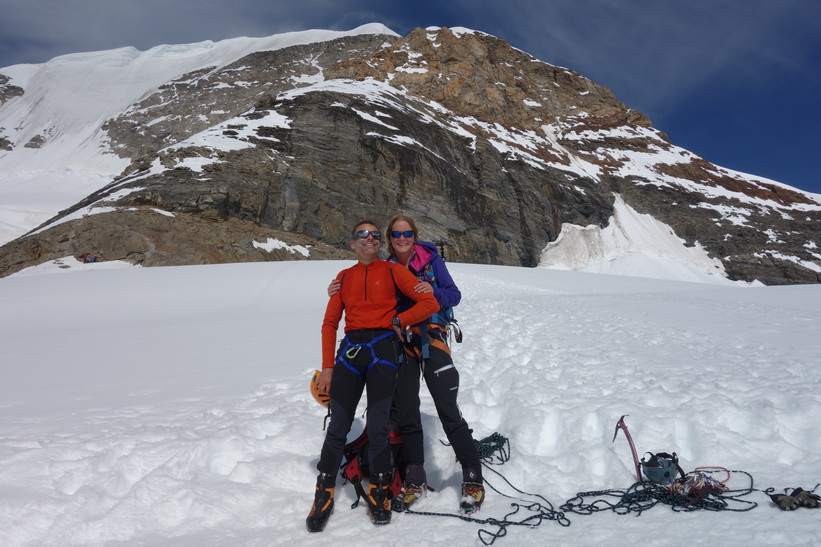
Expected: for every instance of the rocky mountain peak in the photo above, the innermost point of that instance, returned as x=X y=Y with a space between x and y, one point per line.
x=478 y=75
x=494 y=152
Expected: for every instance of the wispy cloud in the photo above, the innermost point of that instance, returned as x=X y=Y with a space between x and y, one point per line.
x=38 y=31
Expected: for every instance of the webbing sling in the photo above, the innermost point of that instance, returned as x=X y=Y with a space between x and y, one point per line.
x=351 y=350
x=425 y=343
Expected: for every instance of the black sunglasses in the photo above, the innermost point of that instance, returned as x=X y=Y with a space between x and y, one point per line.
x=408 y=234
x=363 y=234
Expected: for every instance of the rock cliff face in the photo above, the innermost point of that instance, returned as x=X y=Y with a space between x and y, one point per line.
x=490 y=149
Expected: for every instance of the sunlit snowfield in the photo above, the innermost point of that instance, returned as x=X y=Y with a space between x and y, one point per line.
x=170 y=406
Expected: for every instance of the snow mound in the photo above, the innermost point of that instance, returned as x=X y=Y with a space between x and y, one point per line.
x=631 y=244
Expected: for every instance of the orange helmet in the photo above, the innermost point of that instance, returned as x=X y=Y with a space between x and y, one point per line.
x=321 y=397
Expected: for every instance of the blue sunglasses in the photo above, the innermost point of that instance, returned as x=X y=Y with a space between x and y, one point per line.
x=407 y=234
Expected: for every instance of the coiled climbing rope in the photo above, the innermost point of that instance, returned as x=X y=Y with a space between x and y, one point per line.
x=701 y=494
x=645 y=495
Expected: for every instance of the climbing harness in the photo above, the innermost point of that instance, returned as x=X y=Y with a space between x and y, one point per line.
x=355 y=466
x=700 y=484
x=351 y=350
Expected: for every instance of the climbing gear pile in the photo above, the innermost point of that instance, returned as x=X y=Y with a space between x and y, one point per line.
x=698 y=490
x=700 y=485
x=645 y=495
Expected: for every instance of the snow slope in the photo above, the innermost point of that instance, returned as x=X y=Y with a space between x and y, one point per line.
x=170 y=406
x=69 y=98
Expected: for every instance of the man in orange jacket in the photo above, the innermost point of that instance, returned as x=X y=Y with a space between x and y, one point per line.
x=368 y=357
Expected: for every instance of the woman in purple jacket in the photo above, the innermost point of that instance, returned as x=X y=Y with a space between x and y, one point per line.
x=428 y=352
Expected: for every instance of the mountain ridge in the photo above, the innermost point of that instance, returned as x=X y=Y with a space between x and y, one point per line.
x=492 y=150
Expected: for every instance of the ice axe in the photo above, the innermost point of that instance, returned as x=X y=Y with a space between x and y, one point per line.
x=622 y=425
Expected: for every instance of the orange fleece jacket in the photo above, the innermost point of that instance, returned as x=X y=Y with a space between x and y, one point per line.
x=368 y=297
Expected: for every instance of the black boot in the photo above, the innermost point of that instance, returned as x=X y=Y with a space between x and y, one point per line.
x=323 y=503
x=378 y=503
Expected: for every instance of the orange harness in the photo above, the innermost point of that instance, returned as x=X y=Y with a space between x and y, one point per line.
x=437 y=335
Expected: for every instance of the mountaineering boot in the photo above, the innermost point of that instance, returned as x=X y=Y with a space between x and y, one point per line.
x=414 y=487
x=473 y=494
x=379 y=506
x=409 y=494
x=323 y=503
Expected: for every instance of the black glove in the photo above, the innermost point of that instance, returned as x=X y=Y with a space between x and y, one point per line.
x=785 y=502
x=806 y=499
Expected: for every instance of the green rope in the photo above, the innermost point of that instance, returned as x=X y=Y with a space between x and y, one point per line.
x=495 y=450
x=645 y=495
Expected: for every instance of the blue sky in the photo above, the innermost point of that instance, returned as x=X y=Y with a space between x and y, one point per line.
x=735 y=81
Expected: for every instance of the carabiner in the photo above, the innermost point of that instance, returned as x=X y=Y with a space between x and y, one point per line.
x=353 y=351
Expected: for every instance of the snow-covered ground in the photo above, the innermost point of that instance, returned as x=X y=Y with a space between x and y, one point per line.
x=170 y=406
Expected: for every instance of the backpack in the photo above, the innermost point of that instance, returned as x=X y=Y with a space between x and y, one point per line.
x=355 y=465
